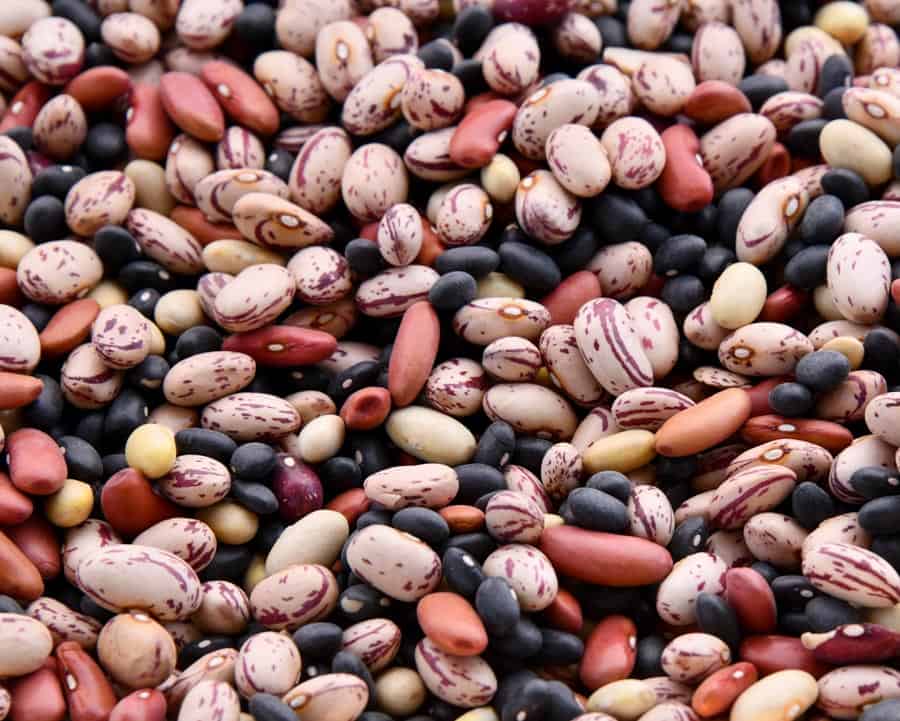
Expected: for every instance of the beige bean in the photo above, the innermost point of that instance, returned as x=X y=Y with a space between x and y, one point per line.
x=738 y=296
x=430 y=436
x=845 y=144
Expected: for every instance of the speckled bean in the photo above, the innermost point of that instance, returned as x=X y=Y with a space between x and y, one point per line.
x=374 y=553
x=255 y=298
x=268 y=662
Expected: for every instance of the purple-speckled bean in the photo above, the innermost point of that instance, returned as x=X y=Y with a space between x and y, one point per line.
x=376 y=553
x=86 y=381
x=400 y=234
x=216 y=666
x=431 y=99
x=651 y=22
x=859 y=278
x=776 y=539
x=763 y=349
x=663 y=84
x=465 y=681
x=225 y=609
x=268 y=662
x=375 y=641
x=428 y=157
x=656 y=327
x=531 y=409
x=132 y=37
x=736 y=148
x=487 y=319
x=635 y=151
x=292 y=83
x=456 y=387
x=693 y=656
x=99 y=199
x=315 y=180
x=251 y=417
x=883 y=418
x=513 y=517
x=567 y=368
x=847 y=403
x=61 y=127
x=650 y=515
x=561 y=470
x=53 y=50
x=748 y=492
x=718 y=54
x=578 y=160
x=769 y=219
x=616 y=98
x=321 y=275
x=299 y=22
x=125 y=576
x=187 y=163
x=391 y=32
x=59 y=272
x=83 y=540
x=392 y=291
x=273 y=222
x=807 y=460
x=521 y=480
x=211 y=700
x=692 y=575
x=428 y=485
x=577 y=38
x=787 y=109
x=216 y=194
x=64 y=623
x=195 y=482
x=758 y=22
x=622 y=268
x=203 y=25
x=24 y=644
x=878 y=220
x=374 y=102
x=510 y=58
x=562 y=102
x=240 y=148
x=512 y=359
x=846 y=692
x=331 y=696
x=648 y=408
x=13 y=73
x=806 y=58
x=17 y=181
x=343 y=57
x=255 y=298
x=545 y=209
x=528 y=571
x=374 y=179
x=188 y=538
x=121 y=335
x=464 y=215
x=863 y=452
x=298 y=595
x=852 y=574
x=209 y=286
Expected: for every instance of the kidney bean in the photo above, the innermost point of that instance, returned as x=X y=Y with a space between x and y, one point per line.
x=38 y=695
x=89 y=695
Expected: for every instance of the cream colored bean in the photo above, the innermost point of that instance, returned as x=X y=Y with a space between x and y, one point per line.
x=781 y=696
x=316 y=538
x=500 y=178
x=738 y=296
x=430 y=436
x=149 y=180
x=321 y=439
x=845 y=144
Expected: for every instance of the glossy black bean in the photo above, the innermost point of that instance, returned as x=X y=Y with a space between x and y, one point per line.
x=10 y=605
x=140 y=274
x=199 y=339
x=826 y=613
x=320 y=640
x=613 y=483
x=881 y=516
x=279 y=162
x=476 y=260
x=82 y=460
x=530 y=703
x=561 y=703
x=482 y=501
x=477 y=545
x=462 y=572
x=309 y=378
x=717 y=618
x=194 y=650
x=823 y=221
x=523 y=640
x=715 y=260
x=888 y=547
x=690 y=536
x=887 y=710
x=836 y=72
x=349 y=662
x=653 y=235
x=363 y=257
x=495 y=447
x=469 y=73
x=127 y=411
x=255 y=497
x=39 y=315
x=574 y=254
x=144 y=301
x=105 y=145
x=89 y=607
x=22 y=136
x=441 y=710
x=679 y=254
x=45 y=219
x=205 y=442
x=423 y=523
x=600 y=601
x=794 y=623
x=452 y=291
x=675 y=470
x=803 y=138
x=340 y=473
x=373 y=715
x=791 y=399
x=848 y=186
x=90 y=428
x=678 y=493
x=559 y=648
x=82 y=15
x=268 y=534
x=811 y=505
x=530 y=452
x=256 y=26
x=759 y=88
x=833 y=105
x=731 y=207
x=97 y=54
x=683 y=293
x=795 y=14
x=437 y=54
x=822 y=370
x=46 y=410
x=793 y=591
x=612 y=31
x=511 y=685
x=648 y=657
x=374 y=516
x=531 y=267
x=149 y=374
x=806 y=269
x=471 y=27
x=360 y=602
x=875 y=481
x=229 y=564
x=882 y=352
x=56 y=180
x=253 y=461
x=598 y=511
x=615 y=218
x=266 y=707
x=791 y=248
x=766 y=570
x=370 y=452
x=359 y=375
x=497 y=606
x=113 y=463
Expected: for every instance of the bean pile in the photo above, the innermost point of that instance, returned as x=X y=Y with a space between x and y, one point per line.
x=449 y=360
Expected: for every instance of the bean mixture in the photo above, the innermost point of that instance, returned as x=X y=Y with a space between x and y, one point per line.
x=449 y=360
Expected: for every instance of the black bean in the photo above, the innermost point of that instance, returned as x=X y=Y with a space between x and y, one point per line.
x=880 y=516
x=279 y=162
x=875 y=481
x=679 y=254
x=573 y=254
x=340 y=473
x=888 y=547
x=452 y=291
x=715 y=260
x=598 y=511
x=731 y=206
x=309 y=378
x=530 y=704
x=759 y=88
x=363 y=257
x=372 y=715
x=690 y=536
x=113 y=463
x=497 y=606
x=205 y=442
x=612 y=31
x=97 y=54
x=358 y=376
x=266 y=707
x=254 y=496
x=616 y=218
x=477 y=479
x=90 y=428
x=822 y=370
x=320 y=640
x=196 y=340
x=148 y=375
x=794 y=623
x=105 y=145
x=82 y=460
x=229 y=564
x=127 y=411
x=45 y=219
x=803 y=138
x=437 y=54
x=653 y=235
x=89 y=607
x=82 y=15
x=116 y=247
x=144 y=301
x=679 y=43
x=374 y=516
x=469 y=73
x=194 y=650
x=528 y=265
x=477 y=545
x=826 y=613
x=46 y=410
x=349 y=662
x=496 y=445
x=648 y=657
x=791 y=399
x=462 y=572
x=21 y=136
x=10 y=605
x=811 y=504
x=833 y=104
x=599 y=601
x=560 y=648
x=793 y=592
x=523 y=640
x=360 y=602
x=848 y=186
x=882 y=352
x=675 y=470
x=766 y=570
x=836 y=72
x=823 y=221
x=476 y=260
x=256 y=26
x=370 y=452
x=140 y=274
x=561 y=703
x=806 y=269
x=683 y=293
x=253 y=461
x=511 y=685
x=423 y=523
x=887 y=710
x=471 y=27
x=717 y=618
x=613 y=483
x=268 y=534
x=56 y=180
